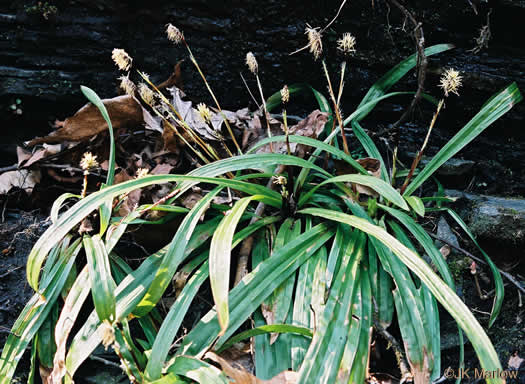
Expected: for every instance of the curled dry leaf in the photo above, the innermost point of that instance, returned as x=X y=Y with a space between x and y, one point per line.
x=213 y=130
x=124 y=111
x=241 y=376
x=132 y=199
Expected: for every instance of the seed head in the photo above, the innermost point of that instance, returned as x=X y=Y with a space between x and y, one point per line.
x=204 y=112
x=121 y=59
x=251 y=62
x=285 y=94
x=127 y=85
x=174 y=34
x=347 y=43
x=141 y=172
x=314 y=41
x=450 y=81
x=146 y=94
x=88 y=161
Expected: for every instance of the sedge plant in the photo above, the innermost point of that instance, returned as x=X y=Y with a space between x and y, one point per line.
x=326 y=272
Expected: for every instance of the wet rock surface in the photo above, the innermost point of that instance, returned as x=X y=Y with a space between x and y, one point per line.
x=493 y=218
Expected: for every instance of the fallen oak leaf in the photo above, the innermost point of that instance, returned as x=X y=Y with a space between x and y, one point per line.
x=240 y=376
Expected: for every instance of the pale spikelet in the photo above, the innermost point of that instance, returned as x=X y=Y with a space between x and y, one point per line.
x=174 y=34
x=204 y=112
x=285 y=94
x=251 y=62
x=121 y=59
x=450 y=81
x=347 y=43
x=88 y=161
x=146 y=94
x=280 y=180
x=127 y=85
x=314 y=41
x=141 y=172
x=107 y=334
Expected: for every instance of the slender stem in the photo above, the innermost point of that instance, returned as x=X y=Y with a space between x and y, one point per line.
x=266 y=115
x=336 y=108
x=286 y=132
x=419 y=155
x=194 y=61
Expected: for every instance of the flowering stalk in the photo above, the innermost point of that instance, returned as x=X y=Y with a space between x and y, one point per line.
x=251 y=62
x=175 y=35
x=336 y=109
x=87 y=162
x=285 y=97
x=450 y=82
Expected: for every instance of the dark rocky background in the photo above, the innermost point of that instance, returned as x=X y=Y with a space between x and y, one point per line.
x=43 y=61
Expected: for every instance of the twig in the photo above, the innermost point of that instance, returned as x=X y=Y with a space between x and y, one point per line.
x=398 y=351
x=13 y=167
x=422 y=61
x=106 y=362
x=467 y=253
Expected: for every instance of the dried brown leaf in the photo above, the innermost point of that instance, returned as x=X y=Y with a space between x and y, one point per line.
x=161 y=169
x=132 y=199
x=124 y=112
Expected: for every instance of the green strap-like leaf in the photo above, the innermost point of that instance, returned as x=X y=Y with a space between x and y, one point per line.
x=67 y=221
x=498 y=105
x=102 y=283
x=220 y=259
x=246 y=297
x=482 y=345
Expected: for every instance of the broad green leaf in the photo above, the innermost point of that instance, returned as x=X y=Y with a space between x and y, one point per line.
x=498 y=105
x=482 y=345
x=197 y=370
x=266 y=329
x=322 y=361
x=174 y=255
x=220 y=259
x=281 y=300
x=129 y=293
x=246 y=297
x=34 y=314
x=102 y=283
x=172 y=322
x=57 y=204
x=81 y=209
x=72 y=305
x=319 y=145
x=416 y=204
x=394 y=75
x=97 y=102
x=382 y=188
x=369 y=147
x=361 y=360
